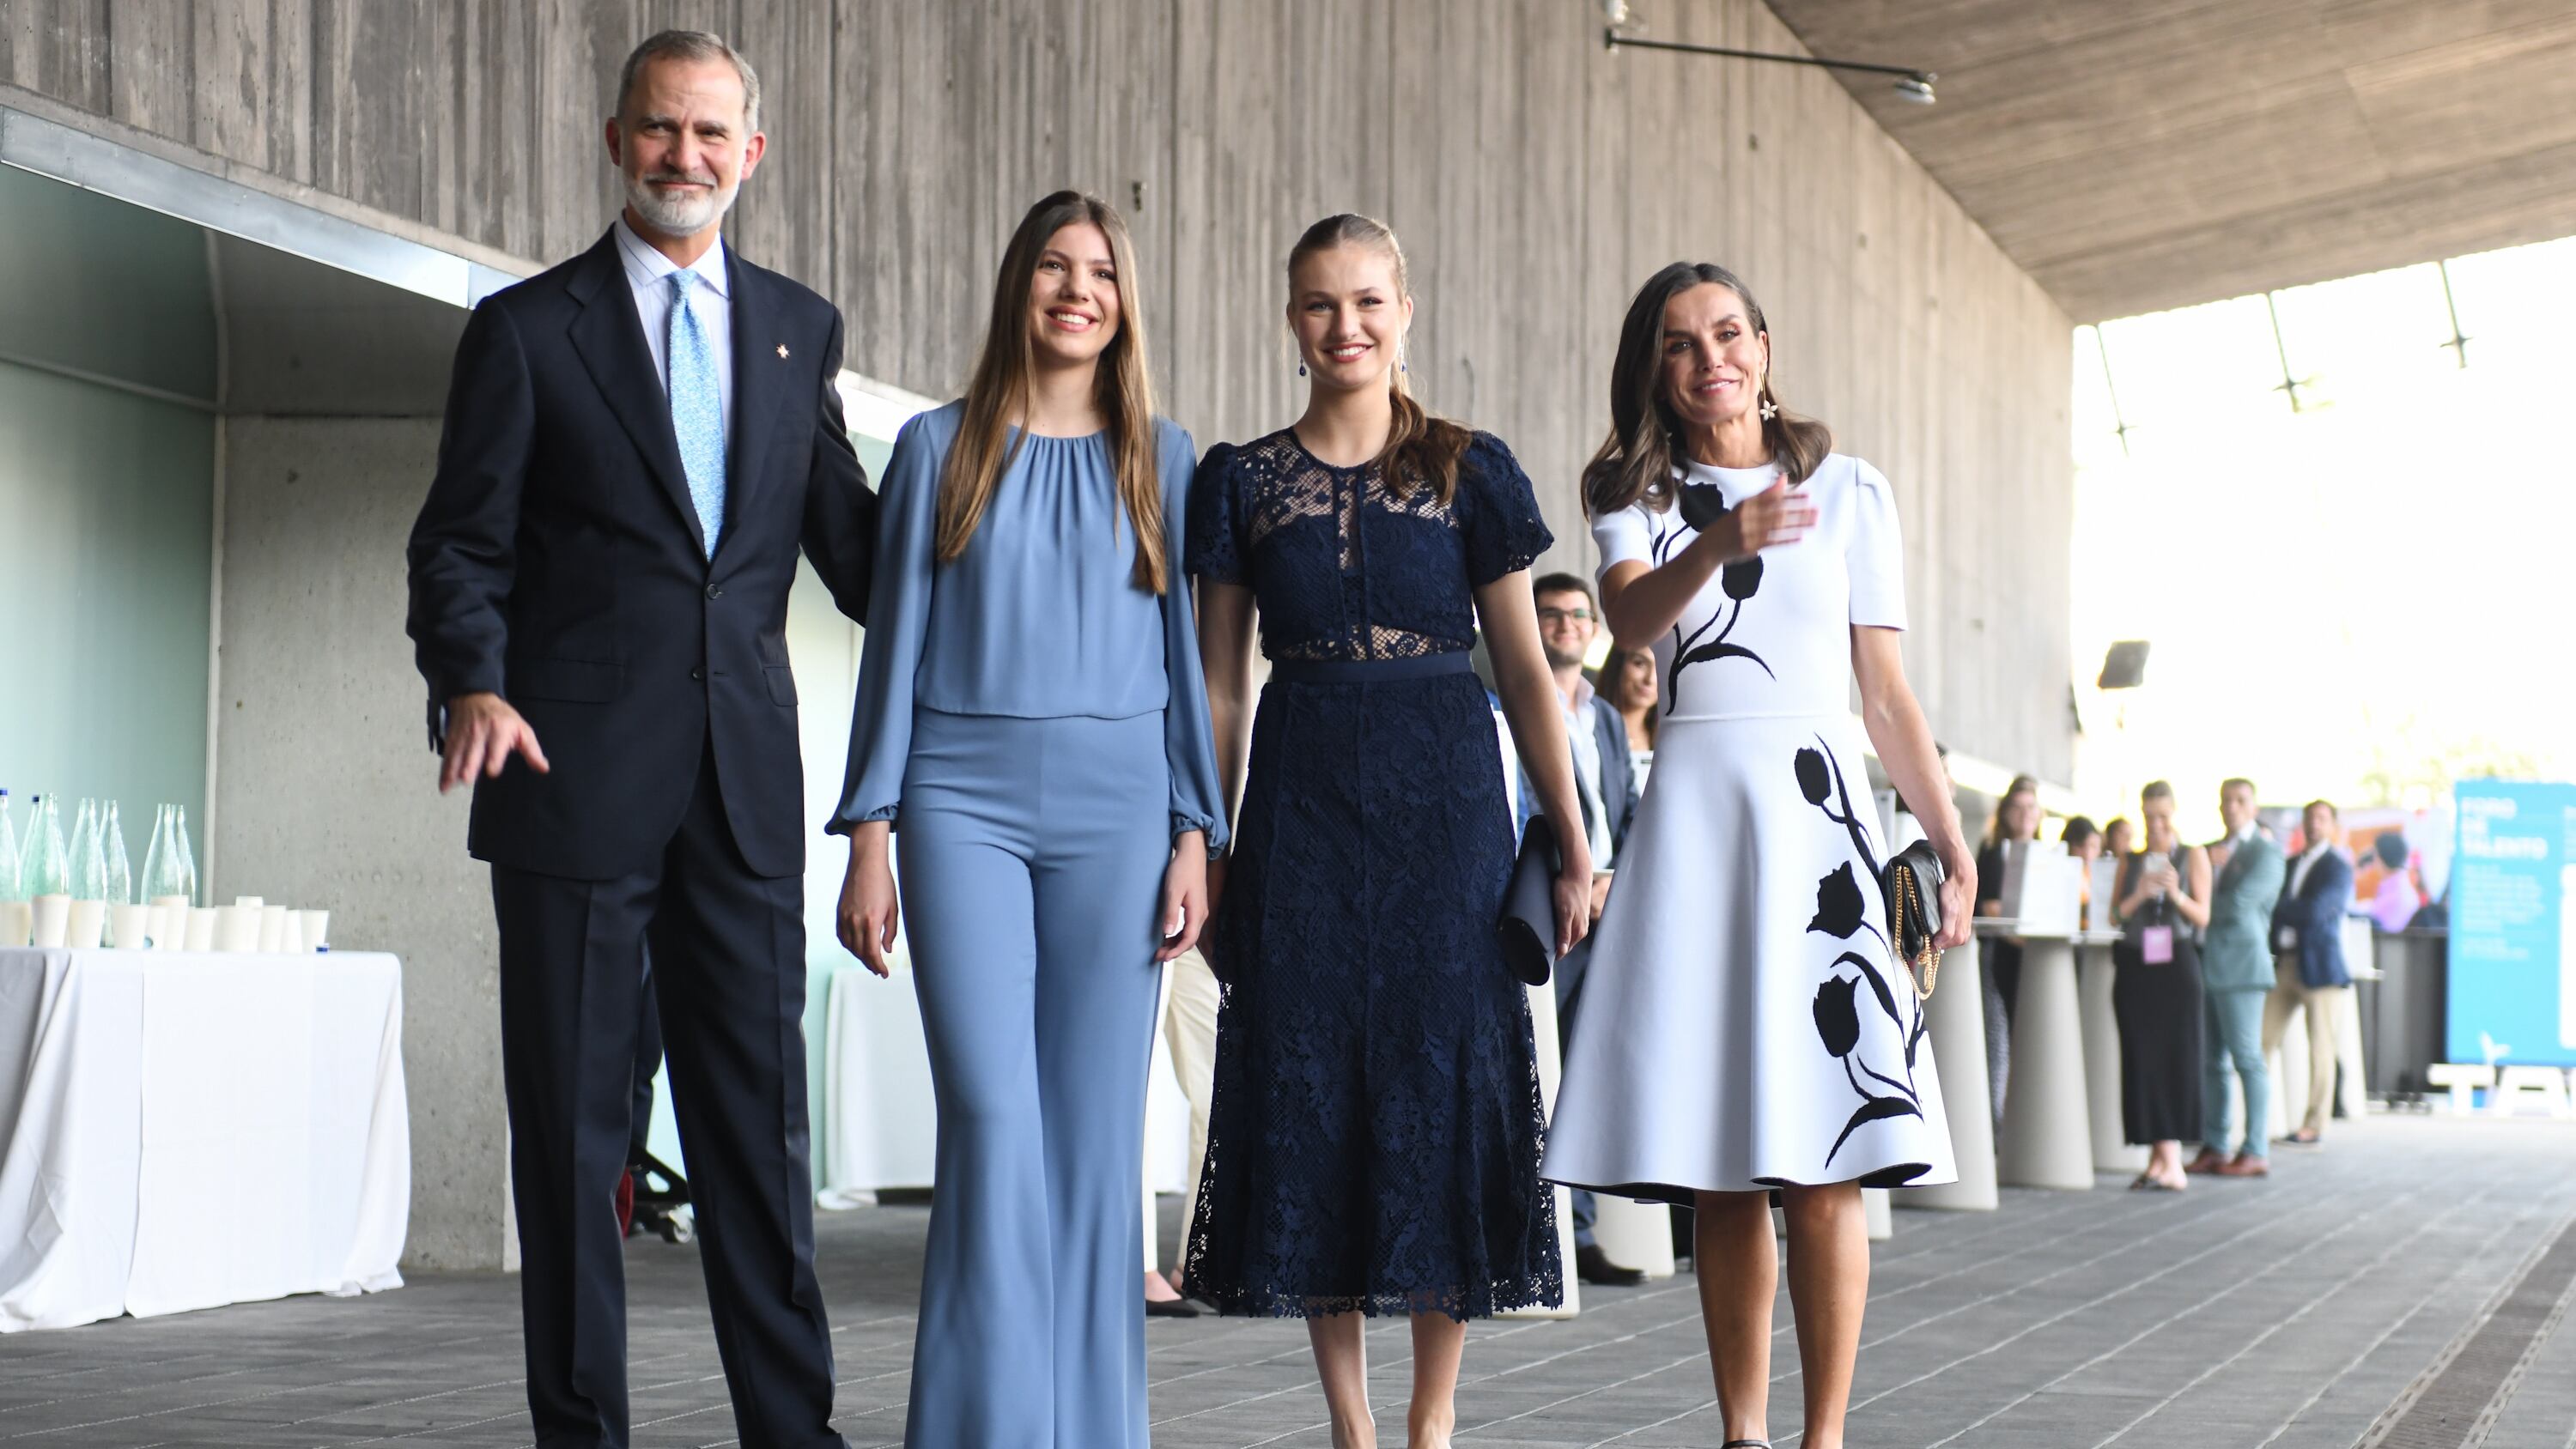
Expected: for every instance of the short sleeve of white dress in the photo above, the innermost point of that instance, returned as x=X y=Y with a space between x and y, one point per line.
x=1874 y=551
x=1624 y=535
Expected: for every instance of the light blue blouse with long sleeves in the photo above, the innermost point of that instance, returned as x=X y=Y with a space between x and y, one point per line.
x=1040 y=617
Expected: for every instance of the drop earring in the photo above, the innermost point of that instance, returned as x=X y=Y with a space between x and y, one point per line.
x=1770 y=409
x=1301 y=368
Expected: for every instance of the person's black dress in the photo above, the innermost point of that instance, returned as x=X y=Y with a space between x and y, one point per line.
x=2158 y=1009
x=1374 y=1137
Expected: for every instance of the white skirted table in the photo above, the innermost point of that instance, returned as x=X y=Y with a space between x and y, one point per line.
x=180 y=1130
x=2047 y=1137
x=1956 y=1025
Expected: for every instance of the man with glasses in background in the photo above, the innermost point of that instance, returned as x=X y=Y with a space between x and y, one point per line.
x=1605 y=783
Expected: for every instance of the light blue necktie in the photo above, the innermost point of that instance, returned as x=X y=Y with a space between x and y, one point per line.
x=697 y=409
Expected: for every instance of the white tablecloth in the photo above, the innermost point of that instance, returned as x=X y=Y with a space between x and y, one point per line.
x=179 y=1130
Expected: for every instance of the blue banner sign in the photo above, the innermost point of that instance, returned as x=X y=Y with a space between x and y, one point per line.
x=2513 y=924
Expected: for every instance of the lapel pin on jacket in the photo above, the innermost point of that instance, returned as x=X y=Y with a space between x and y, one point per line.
x=782 y=352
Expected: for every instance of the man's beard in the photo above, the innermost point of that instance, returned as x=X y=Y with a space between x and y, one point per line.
x=683 y=215
x=1556 y=660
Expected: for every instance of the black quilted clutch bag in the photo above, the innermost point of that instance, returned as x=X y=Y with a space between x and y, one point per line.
x=1912 y=883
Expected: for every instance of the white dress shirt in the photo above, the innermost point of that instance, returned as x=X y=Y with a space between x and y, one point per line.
x=1587 y=768
x=2289 y=938
x=648 y=275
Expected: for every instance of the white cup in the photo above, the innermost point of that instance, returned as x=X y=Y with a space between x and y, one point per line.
x=51 y=917
x=17 y=923
x=290 y=936
x=129 y=927
x=170 y=923
x=200 y=932
x=317 y=930
x=87 y=925
x=272 y=929
x=252 y=901
x=237 y=928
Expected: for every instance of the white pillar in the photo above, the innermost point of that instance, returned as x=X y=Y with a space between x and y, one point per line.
x=2093 y=982
x=1957 y=1025
x=2048 y=1132
x=1542 y=1001
x=1634 y=1234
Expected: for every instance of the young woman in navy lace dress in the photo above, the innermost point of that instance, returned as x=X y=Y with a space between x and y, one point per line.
x=1374 y=1141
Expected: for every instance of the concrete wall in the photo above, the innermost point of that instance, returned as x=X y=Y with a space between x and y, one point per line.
x=1535 y=177
x=323 y=783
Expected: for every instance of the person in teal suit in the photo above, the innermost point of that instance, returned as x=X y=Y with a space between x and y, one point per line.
x=2236 y=974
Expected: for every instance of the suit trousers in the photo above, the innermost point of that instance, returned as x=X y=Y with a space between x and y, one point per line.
x=2324 y=1008
x=1188 y=1013
x=1032 y=855
x=728 y=950
x=2232 y=1044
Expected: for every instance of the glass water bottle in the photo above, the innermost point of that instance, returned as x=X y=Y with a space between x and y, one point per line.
x=88 y=862
x=43 y=869
x=120 y=866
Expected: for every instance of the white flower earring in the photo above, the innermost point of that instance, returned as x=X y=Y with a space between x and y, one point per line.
x=1770 y=409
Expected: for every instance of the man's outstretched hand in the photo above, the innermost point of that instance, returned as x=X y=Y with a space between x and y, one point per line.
x=483 y=731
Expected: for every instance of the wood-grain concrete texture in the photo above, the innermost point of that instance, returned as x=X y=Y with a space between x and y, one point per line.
x=1535 y=177
x=2136 y=155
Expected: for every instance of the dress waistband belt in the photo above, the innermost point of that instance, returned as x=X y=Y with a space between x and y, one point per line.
x=1368 y=671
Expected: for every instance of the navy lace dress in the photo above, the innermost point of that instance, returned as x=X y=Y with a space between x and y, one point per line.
x=1374 y=1139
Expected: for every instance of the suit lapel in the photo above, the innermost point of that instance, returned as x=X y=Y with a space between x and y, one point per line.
x=760 y=368
x=610 y=339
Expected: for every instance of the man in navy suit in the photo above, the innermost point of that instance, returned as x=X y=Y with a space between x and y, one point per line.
x=2309 y=971
x=637 y=445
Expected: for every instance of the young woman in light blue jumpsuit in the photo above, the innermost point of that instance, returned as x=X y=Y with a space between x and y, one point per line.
x=1032 y=723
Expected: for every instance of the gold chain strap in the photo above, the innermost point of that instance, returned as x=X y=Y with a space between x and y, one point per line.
x=1925 y=969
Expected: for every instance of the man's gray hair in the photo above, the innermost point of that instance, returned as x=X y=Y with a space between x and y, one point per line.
x=692 y=45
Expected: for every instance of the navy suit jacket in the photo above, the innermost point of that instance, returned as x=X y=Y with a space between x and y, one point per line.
x=2316 y=912
x=559 y=562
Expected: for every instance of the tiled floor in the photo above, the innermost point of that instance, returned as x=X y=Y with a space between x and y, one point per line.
x=2285 y=1313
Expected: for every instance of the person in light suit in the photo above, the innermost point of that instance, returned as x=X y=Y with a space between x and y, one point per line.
x=638 y=444
x=2236 y=976
x=2310 y=975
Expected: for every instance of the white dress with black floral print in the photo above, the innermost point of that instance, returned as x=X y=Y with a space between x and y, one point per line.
x=1743 y=1024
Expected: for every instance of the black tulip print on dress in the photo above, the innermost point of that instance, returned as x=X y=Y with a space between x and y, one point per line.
x=1702 y=505
x=1842 y=912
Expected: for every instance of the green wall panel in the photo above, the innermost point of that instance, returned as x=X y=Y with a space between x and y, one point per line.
x=106 y=529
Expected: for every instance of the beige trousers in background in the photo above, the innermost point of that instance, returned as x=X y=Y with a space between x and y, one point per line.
x=1188 y=1015
x=2325 y=1008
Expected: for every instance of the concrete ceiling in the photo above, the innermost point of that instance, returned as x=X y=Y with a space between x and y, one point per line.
x=2135 y=155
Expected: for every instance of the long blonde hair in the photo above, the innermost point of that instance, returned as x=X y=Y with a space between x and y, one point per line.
x=999 y=389
x=1421 y=447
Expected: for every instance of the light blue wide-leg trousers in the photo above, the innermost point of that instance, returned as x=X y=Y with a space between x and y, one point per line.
x=1032 y=854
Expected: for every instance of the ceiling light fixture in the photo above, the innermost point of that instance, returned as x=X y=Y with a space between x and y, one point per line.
x=1912 y=86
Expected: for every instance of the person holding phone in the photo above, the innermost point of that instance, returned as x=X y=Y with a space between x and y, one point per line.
x=2156 y=995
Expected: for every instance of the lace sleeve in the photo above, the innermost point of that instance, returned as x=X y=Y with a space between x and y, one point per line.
x=1497 y=512
x=1215 y=538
